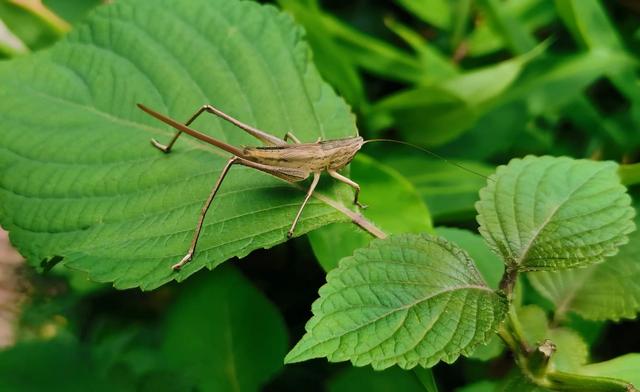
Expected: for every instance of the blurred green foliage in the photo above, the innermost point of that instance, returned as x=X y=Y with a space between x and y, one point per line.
x=477 y=81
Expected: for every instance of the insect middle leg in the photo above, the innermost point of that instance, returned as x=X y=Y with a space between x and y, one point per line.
x=349 y=182
x=289 y=174
x=203 y=213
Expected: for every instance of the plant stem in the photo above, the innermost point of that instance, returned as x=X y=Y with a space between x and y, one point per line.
x=517 y=331
x=508 y=282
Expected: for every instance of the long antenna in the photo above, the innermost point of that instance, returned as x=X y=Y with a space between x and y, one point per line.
x=430 y=153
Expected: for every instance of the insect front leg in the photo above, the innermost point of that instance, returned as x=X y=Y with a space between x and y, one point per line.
x=349 y=182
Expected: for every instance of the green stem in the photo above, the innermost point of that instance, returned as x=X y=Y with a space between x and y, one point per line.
x=517 y=330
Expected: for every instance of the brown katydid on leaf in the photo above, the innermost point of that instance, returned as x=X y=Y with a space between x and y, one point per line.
x=290 y=162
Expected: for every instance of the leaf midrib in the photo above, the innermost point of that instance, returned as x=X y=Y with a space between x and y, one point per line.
x=525 y=251
x=403 y=307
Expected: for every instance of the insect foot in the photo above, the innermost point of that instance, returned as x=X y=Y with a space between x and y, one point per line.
x=160 y=146
x=185 y=260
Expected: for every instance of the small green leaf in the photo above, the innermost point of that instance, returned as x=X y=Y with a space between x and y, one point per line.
x=571 y=350
x=408 y=300
x=546 y=213
x=535 y=324
x=211 y=334
x=607 y=291
x=623 y=368
x=79 y=178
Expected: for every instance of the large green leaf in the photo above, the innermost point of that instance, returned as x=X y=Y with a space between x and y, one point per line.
x=610 y=290
x=78 y=177
x=211 y=334
x=546 y=213
x=408 y=300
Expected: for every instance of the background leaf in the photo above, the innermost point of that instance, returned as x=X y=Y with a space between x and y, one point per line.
x=571 y=350
x=392 y=203
x=448 y=191
x=79 y=178
x=408 y=300
x=240 y=337
x=606 y=291
x=62 y=365
x=368 y=380
x=546 y=213
x=623 y=368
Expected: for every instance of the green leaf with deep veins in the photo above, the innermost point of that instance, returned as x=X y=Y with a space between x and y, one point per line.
x=408 y=300
x=547 y=213
x=78 y=178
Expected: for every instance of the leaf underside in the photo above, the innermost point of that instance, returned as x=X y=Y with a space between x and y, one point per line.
x=547 y=213
x=78 y=178
x=408 y=300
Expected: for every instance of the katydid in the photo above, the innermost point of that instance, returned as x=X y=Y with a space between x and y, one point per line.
x=291 y=162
